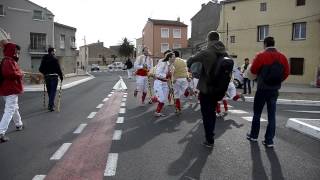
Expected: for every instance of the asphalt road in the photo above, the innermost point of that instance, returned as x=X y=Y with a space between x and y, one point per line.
x=160 y=148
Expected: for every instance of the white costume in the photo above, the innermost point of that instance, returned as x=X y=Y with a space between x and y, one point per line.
x=161 y=88
x=141 y=73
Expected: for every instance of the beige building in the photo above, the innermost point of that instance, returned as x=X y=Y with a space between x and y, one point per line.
x=295 y=25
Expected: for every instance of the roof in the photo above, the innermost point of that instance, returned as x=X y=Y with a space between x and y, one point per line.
x=40 y=7
x=230 y=1
x=167 y=22
x=65 y=26
x=205 y=5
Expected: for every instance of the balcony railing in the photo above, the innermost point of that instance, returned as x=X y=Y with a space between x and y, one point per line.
x=41 y=49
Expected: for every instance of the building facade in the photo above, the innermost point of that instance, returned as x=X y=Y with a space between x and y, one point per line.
x=139 y=46
x=245 y=23
x=29 y=25
x=161 y=35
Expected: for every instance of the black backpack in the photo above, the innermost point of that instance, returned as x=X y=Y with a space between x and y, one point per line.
x=196 y=69
x=129 y=64
x=220 y=76
x=272 y=75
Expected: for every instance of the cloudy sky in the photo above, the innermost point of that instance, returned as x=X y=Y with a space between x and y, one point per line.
x=112 y=20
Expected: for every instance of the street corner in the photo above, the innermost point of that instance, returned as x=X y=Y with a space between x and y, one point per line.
x=310 y=127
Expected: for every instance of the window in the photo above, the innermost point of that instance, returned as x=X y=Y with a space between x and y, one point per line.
x=233 y=8
x=176 y=33
x=38 y=41
x=263 y=32
x=233 y=39
x=164 y=32
x=164 y=47
x=62 y=41
x=73 y=42
x=1 y=10
x=176 y=46
x=301 y=2
x=299 y=31
x=296 y=66
x=37 y=15
x=263 y=6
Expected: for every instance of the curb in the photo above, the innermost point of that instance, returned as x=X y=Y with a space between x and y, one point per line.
x=65 y=86
x=291 y=102
x=303 y=127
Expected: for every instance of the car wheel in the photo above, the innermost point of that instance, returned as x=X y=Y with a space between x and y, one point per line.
x=236 y=83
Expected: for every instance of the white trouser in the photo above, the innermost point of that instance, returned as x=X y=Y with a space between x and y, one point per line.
x=161 y=90
x=142 y=83
x=129 y=71
x=11 y=111
x=180 y=87
x=194 y=83
x=231 y=91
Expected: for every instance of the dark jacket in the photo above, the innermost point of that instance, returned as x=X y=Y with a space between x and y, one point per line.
x=207 y=58
x=50 y=65
x=264 y=59
x=11 y=73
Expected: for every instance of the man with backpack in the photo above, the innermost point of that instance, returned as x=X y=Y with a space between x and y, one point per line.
x=213 y=83
x=271 y=68
x=129 y=66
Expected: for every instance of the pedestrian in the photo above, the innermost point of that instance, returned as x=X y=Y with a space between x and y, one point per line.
x=11 y=86
x=51 y=70
x=208 y=99
x=180 y=79
x=271 y=68
x=246 y=81
x=129 y=66
x=161 y=88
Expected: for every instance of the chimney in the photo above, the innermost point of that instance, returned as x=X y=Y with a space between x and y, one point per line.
x=178 y=19
x=202 y=5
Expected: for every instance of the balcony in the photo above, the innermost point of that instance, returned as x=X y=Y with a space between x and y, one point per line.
x=38 y=50
x=73 y=46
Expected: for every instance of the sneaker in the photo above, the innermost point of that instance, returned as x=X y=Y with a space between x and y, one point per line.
x=135 y=93
x=3 y=138
x=159 y=114
x=242 y=98
x=268 y=145
x=207 y=144
x=19 y=128
x=251 y=138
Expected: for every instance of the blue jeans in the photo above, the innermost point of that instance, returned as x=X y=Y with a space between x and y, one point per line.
x=262 y=97
x=51 y=84
x=246 y=82
x=208 y=111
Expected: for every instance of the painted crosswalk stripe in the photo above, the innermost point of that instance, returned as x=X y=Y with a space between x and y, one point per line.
x=124 y=99
x=197 y=107
x=120 y=120
x=238 y=112
x=123 y=104
x=79 y=129
x=111 y=164
x=60 y=152
x=122 y=110
x=39 y=177
x=117 y=135
x=313 y=112
x=91 y=115
x=99 y=106
x=105 y=99
x=249 y=118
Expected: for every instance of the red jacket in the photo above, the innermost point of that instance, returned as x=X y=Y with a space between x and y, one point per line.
x=11 y=73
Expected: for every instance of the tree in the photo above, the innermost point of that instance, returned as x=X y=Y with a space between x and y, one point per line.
x=114 y=57
x=126 y=49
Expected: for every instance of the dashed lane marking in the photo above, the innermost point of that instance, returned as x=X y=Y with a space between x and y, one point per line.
x=124 y=99
x=111 y=164
x=105 y=99
x=99 y=106
x=249 y=118
x=238 y=112
x=125 y=95
x=117 y=135
x=91 y=115
x=61 y=151
x=120 y=120
x=39 y=177
x=123 y=104
x=80 y=129
x=122 y=110
x=109 y=95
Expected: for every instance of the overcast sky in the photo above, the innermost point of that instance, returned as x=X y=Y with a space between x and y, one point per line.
x=112 y=20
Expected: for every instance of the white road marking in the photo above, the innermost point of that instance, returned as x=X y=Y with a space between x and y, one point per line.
x=238 y=112
x=123 y=104
x=111 y=92
x=105 y=99
x=314 y=112
x=99 y=106
x=80 y=129
x=125 y=95
x=249 y=118
x=39 y=177
x=109 y=95
x=60 y=152
x=198 y=108
x=117 y=135
x=111 y=164
x=122 y=110
x=304 y=119
x=120 y=120
x=124 y=99
x=304 y=127
x=91 y=115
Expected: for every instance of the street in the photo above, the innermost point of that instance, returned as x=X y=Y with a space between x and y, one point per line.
x=141 y=146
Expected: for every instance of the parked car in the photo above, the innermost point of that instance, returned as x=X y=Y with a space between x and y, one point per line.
x=116 y=66
x=238 y=78
x=95 y=67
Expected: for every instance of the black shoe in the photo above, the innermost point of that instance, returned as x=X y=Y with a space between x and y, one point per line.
x=270 y=145
x=207 y=144
x=51 y=109
x=19 y=128
x=3 y=138
x=251 y=138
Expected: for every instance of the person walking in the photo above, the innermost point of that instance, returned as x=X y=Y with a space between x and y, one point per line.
x=11 y=86
x=246 y=81
x=271 y=68
x=208 y=100
x=51 y=70
x=129 y=67
x=143 y=65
